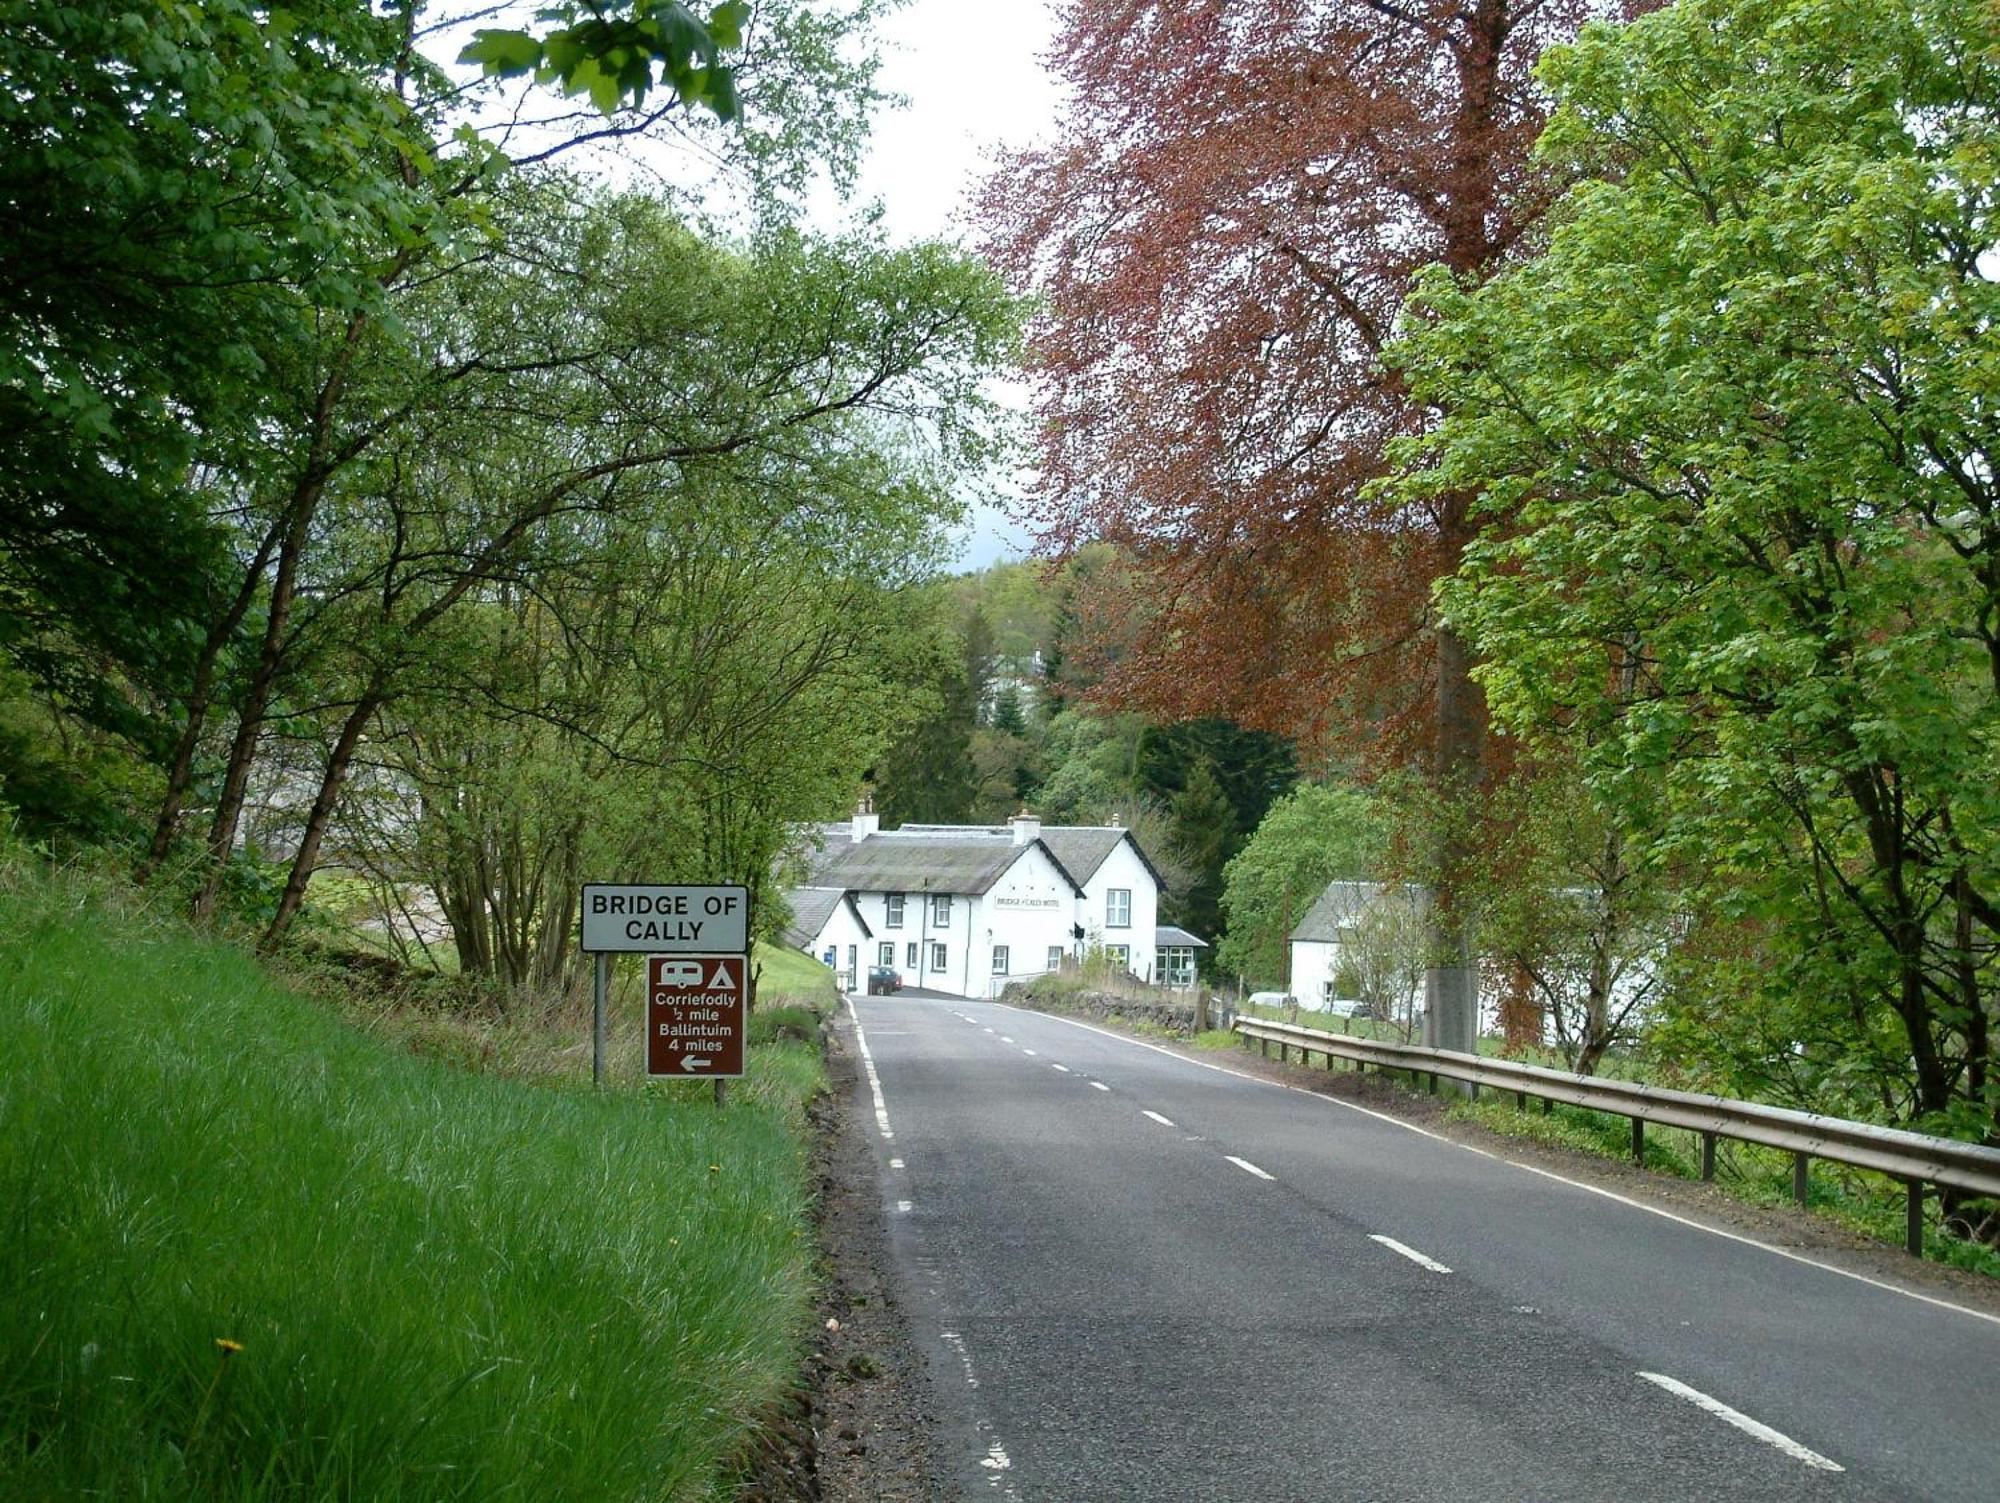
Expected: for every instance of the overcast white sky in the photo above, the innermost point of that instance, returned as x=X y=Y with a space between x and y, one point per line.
x=974 y=80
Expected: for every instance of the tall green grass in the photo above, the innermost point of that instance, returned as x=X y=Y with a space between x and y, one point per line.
x=444 y=1284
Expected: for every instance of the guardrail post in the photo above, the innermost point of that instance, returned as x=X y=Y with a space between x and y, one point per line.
x=1434 y=1082
x=1799 y=1184
x=1913 y=1218
x=1264 y=1047
x=1548 y=1105
x=1520 y=1101
x=1639 y=1141
x=1284 y=1052
x=1707 y=1157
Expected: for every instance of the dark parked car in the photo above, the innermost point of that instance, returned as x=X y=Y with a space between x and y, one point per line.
x=883 y=979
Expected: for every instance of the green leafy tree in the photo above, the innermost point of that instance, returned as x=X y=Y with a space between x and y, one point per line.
x=926 y=776
x=181 y=194
x=1747 y=407
x=1311 y=836
x=1007 y=715
x=1206 y=835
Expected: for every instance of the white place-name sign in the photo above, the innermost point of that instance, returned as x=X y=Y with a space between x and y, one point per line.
x=642 y=918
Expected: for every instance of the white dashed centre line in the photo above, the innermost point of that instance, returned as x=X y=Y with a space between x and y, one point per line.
x=1063 y=1068
x=895 y=1163
x=1247 y=1167
x=1164 y=1122
x=1409 y=1252
x=1030 y=1053
x=903 y=1206
x=1743 y=1422
x=1005 y=1040
x=1098 y=1085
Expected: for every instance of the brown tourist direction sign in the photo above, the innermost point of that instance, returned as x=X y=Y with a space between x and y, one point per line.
x=695 y=1016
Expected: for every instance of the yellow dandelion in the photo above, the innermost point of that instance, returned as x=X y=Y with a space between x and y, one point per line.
x=227 y=1347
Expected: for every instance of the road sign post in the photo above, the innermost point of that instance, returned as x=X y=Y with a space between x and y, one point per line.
x=655 y=919
x=602 y=985
x=695 y=1017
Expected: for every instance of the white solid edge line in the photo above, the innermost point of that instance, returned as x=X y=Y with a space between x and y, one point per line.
x=1409 y=1252
x=874 y=1080
x=1743 y=1422
x=1247 y=1167
x=1561 y=1179
x=1157 y=1118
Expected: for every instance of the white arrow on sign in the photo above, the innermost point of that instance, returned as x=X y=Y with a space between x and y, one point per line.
x=692 y=1062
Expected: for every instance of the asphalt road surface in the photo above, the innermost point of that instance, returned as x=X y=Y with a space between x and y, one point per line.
x=1137 y=1276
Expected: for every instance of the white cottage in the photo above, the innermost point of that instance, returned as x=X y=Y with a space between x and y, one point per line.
x=1361 y=940
x=965 y=909
x=827 y=925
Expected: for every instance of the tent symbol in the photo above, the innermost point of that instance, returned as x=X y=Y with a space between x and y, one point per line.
x=724 y=980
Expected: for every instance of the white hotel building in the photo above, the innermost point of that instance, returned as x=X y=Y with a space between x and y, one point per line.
x=965 y=909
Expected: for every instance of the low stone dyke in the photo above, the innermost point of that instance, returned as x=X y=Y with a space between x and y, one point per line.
x=1178 y=1014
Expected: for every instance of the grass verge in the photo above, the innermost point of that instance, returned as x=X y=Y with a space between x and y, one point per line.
x=432 y=1283
x=1856 y=1199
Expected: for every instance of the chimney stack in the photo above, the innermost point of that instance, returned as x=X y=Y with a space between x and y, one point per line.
x=866 y=821
x=1026 y=827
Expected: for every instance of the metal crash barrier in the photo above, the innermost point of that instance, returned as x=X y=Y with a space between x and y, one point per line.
x=1914 y=1158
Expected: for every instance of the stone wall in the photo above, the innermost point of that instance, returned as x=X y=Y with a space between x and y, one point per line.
x=1174 y=1011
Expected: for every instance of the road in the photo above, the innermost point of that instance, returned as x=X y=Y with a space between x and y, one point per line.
x=1139 y=1276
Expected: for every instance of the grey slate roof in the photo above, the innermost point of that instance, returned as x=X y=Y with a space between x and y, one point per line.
x=1342 y=904
x=811 y=908
x=1079 y=849
x=1082 y=849
x=967 y=860
x=1174 y=934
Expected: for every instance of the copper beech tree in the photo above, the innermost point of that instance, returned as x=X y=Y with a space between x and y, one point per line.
x=1222 y=242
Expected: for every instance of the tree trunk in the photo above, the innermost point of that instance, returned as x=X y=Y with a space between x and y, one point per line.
x=256 y=700
x=1451 y=975
x=330 y=784
x=181 y=774
x=296 y=525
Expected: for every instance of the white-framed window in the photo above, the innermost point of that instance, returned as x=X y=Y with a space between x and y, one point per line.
x=1119 y=955
x=886 y=955
x=999 y=960
x=941 y=909
x=911 y=961
x=892 y=911
x=937 y=956
x=1055 y=957
x=1118 y=908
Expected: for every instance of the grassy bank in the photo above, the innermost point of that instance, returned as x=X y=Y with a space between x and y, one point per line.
x=443 y=1283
